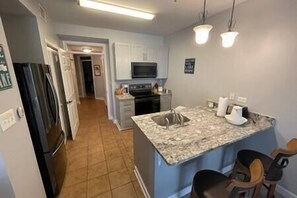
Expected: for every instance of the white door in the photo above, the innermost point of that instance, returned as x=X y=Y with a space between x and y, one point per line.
x=66 y=70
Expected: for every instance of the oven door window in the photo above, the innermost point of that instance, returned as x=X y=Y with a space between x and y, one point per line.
x=147 y=105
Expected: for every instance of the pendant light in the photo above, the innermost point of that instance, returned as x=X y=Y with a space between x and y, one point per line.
x=228 y=38
x=202 y=31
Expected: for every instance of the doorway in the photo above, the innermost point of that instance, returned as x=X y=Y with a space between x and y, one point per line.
x=88 y=76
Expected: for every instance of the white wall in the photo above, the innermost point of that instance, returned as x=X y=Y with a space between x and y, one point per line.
x=260 y=66
x=23 y=38
x=45 y=28
x=112 y=36
x=98 y=80
x=15 y=144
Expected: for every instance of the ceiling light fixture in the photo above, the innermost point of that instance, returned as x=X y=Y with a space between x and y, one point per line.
x=228 y=38
x=87 y=50
x=115 y=9
x=202 y=31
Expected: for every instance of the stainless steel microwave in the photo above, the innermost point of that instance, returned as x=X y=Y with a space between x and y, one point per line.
x=143 y=70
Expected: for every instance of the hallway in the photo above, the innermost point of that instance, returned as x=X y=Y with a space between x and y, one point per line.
x=100 y=160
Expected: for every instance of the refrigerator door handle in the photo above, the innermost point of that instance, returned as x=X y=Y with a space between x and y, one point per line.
x=60 y=144
x=48 y=77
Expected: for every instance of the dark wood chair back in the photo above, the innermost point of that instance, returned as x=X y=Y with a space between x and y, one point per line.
x=254 y=185
x=281 y=160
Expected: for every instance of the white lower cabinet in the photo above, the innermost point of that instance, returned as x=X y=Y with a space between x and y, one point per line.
x=165 y=102
x=125 y=110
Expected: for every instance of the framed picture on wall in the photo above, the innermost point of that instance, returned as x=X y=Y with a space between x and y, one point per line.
x=97 y=70
x=5 y=80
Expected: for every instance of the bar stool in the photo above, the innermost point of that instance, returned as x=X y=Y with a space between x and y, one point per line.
x=212 y=184
x=273 y=167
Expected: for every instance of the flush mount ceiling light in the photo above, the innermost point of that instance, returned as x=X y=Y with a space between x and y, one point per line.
x=87 y=50
x=202 y=31
x=115 y=9
x=228 y=38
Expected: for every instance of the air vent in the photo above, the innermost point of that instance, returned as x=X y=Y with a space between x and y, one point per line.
x=42 y=13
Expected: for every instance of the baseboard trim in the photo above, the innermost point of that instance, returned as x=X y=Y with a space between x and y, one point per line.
x=284 y=192
x=99 y=98
x=182 y=192
x=141 y=183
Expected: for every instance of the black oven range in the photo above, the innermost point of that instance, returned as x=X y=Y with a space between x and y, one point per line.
x=145 y=100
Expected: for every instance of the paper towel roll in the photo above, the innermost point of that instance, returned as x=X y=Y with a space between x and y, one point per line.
x=222 y=107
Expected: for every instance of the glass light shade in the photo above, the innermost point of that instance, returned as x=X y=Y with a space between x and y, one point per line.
x=202 y=32
x=87 y=50
x=228 y=38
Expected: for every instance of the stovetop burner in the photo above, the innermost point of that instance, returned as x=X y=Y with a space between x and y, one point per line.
x=141 y=90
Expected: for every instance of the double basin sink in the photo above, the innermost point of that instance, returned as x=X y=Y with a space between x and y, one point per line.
x=170 y=119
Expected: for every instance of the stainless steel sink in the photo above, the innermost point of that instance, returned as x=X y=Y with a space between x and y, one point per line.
x=170 y=118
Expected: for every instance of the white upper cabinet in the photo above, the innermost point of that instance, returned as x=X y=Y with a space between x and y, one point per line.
x=137 y=53
x=127 y=53
x=162 y=62
x=122 y=61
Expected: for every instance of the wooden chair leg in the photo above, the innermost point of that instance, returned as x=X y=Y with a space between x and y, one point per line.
x=271 y=191
x=257 y=190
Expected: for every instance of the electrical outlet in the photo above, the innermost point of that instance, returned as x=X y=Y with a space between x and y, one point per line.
x=242 y=99
x=7 y=119
x=232 y=96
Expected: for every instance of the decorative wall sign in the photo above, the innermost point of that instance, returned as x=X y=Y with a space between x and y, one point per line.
x=5 y=80
x=189 y=65
x=97 y=70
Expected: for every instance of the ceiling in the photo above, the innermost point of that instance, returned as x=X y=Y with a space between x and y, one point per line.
x=170 y=16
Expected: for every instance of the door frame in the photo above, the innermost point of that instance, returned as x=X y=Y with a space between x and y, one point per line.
x=65 y=113
x=107 y=70
x=93 y=75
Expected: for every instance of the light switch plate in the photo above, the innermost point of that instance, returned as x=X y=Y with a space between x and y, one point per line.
x=232 y=96
x=7 y=119
x=242 y=99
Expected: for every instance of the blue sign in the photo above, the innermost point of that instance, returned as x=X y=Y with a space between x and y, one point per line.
x=189 y=65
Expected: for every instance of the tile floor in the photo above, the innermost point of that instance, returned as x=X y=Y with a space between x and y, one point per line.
x=100 y=160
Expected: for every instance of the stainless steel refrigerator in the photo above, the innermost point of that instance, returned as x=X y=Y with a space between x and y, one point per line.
x=42 y=112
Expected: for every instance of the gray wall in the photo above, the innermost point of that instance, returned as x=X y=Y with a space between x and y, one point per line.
x=260 y=66
x=23 y=38
x=15 y=143
x=99 y=81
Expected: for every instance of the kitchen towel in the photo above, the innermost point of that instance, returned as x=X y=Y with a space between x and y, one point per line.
x=222 y=107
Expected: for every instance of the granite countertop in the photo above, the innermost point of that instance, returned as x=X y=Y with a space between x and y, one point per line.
x=125 y=97
x=204 y=132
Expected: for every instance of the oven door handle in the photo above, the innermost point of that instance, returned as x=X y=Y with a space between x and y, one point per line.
x=140 y=100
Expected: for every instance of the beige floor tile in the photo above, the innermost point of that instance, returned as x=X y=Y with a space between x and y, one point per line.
x=132 y=175
x=74 y=191
x=95 y=148
x=137 y=189
x=115 y=164
x=126 y=191
x=77 y=163
x=77 y=152
x=95 y=158
x=97 y=170
x=111 y=154
x=74 y=177
x=104 y=195
x=98 y=186
x=119 y=178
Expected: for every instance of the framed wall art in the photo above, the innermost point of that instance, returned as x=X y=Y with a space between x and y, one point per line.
x=97 y=70
x=5 y=80
x=189 y=66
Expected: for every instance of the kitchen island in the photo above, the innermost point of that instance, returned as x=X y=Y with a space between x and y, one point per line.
x=167 y=159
